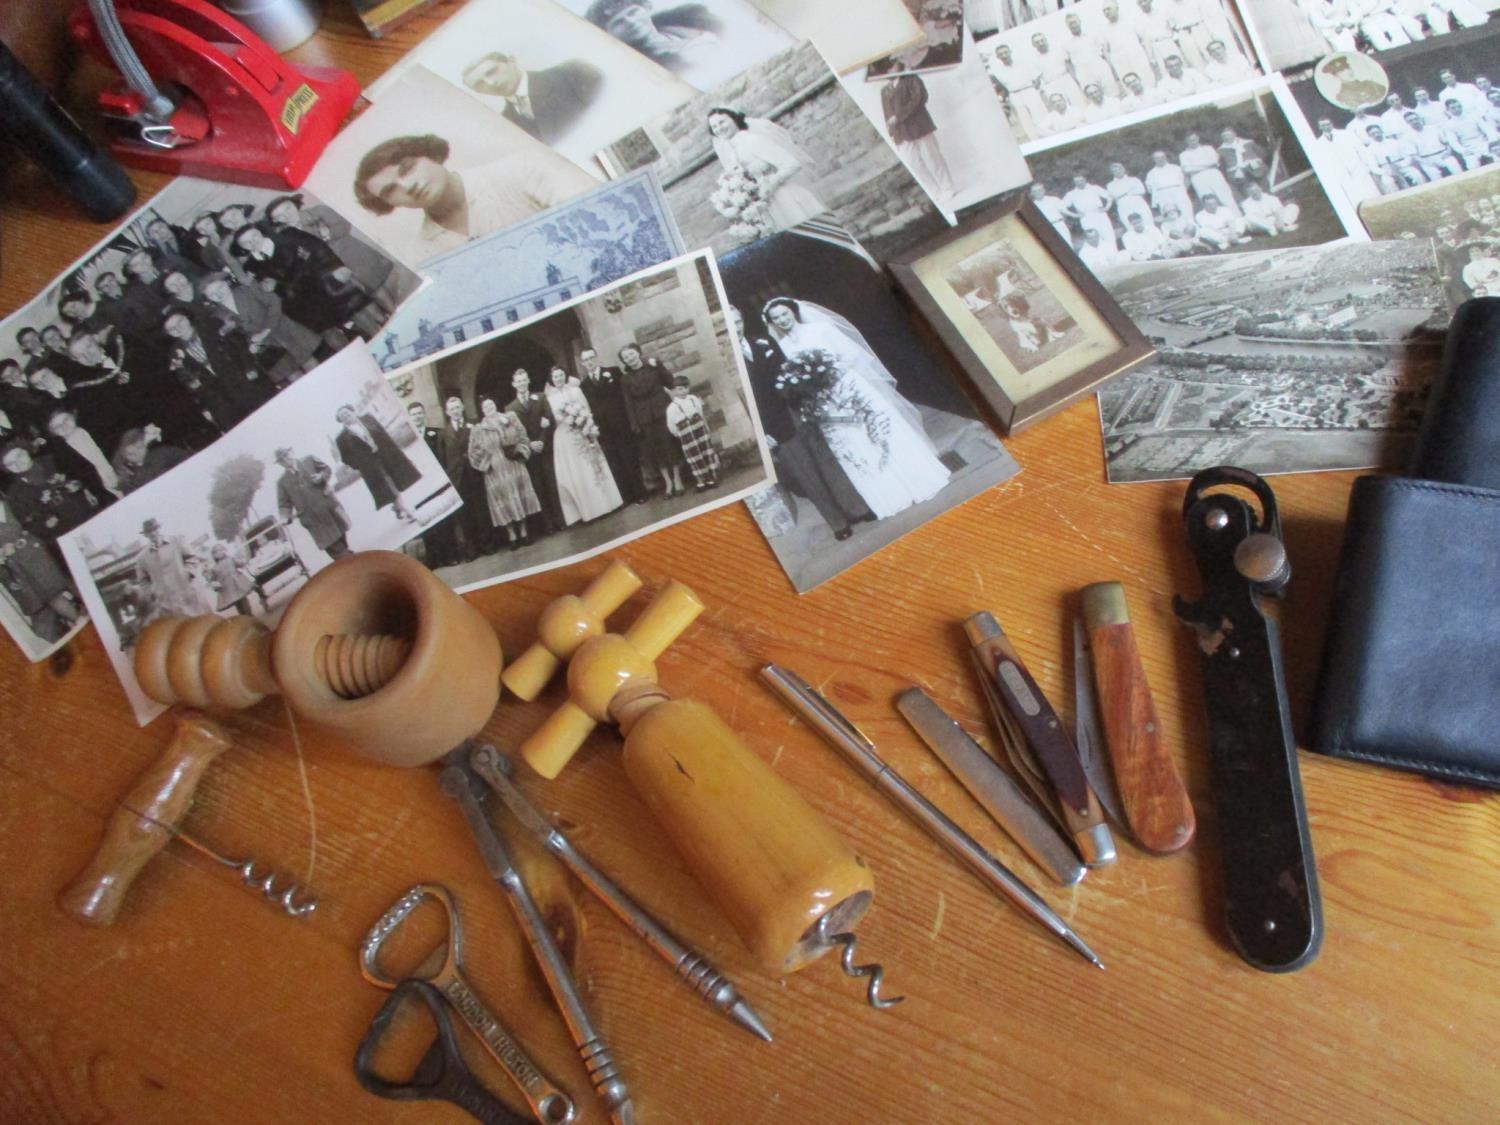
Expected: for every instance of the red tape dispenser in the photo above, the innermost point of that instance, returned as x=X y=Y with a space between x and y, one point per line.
x=206 y=97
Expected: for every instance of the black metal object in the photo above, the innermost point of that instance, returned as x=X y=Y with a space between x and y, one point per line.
x=442 y=1075
x=1270 y=880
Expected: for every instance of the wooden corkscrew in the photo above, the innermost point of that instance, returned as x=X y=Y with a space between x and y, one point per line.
x=148 y=816
x=374 y=648
x=784 y=878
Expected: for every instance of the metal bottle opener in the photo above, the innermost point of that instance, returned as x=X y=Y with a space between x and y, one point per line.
x=1272 y=906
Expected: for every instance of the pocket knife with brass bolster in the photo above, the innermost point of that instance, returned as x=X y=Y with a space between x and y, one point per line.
x=1036 y=739
x=1270 y=881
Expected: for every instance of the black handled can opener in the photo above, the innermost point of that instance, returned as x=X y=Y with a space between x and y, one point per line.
x=1272 y=906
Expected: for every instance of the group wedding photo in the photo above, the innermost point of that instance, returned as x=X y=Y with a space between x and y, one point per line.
x=603 y=419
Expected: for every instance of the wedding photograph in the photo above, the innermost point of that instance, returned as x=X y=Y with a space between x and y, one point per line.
x=942 y=46
x=564 y=81
x=1223 y=173
x=193 y=313
x=506 y=278
x=949 y=128
x=1462 y=217
x=1286 y=361
x=870 y=430
x=703 y=42
x=622 y=412
x=1288 y=33
x=781 y=146
x=329 y=467
x=427 y=169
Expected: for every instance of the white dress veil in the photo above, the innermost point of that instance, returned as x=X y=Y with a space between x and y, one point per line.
x=769 y=137
x=820 y=327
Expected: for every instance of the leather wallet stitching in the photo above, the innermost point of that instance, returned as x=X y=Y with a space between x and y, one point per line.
x=1345 y=751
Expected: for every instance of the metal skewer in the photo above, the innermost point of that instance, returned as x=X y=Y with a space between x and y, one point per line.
x=849 y=740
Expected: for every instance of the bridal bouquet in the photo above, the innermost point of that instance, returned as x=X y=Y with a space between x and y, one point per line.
x=739 y=197
x=813 y=384
x=580 y=421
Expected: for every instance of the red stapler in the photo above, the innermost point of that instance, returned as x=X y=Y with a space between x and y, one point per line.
x=227 y=107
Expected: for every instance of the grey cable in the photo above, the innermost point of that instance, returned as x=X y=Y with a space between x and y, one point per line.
x=158 y=106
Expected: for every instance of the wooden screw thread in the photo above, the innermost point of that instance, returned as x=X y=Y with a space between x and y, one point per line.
x=145 y=820
x=565 y=625
x=356 y=666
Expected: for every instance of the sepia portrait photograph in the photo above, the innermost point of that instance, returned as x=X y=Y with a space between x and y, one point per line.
x=506 y=278
x=622 y=412
x=330 y=467
x=1461 y=215
x=949 y=128
x=427 y=169
x=1097 y=60
x=782 y=146
x=1287 y=361
x=943 y=41
x=703 y=42
x=869 y=427
x=564 y=81
x=1223 y=173
x=1439 y=118
x=196 y=311
x=1015 y=307
x=1288 y=33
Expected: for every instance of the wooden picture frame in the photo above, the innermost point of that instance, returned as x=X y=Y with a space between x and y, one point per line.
x=1029 y=324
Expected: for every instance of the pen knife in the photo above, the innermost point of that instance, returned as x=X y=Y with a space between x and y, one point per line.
x=991 y=786
x=1086 y=734
x=1155 y=802
x=1015 y=698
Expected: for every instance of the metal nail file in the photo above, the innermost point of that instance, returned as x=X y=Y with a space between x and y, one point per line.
x=1018 y=702
x=1150 y=788
x=1272 y=906
x=991 y=786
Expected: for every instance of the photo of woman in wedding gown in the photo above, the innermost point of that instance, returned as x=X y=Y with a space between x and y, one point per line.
x=765 y=154
x=875 y=434
x=585 y=485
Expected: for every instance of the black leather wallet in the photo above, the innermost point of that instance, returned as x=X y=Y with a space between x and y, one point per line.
x=1411 y=664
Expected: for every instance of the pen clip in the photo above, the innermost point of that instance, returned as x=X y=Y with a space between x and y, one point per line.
x=815 y=700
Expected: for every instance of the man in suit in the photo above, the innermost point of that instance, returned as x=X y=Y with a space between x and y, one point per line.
x=536 y=415
x=364 y=446
x=803 y=460
x=546 y=103
x=441 y=540
x=284 y=347
x=904 y=103
x=76 y=453
x=216 y=370
x=164 y=568
x=475 y=530
x=606 y=398
x=304 y=491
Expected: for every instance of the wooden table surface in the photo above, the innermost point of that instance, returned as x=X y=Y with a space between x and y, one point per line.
x=203 y=1003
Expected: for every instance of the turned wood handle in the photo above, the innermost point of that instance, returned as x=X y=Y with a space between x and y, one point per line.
x=1151 y=790
x=145 y=819
x=565 y=625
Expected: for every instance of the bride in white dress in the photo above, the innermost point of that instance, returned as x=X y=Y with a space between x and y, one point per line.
x=585 y=485
x=896 y=466
x=767 y=154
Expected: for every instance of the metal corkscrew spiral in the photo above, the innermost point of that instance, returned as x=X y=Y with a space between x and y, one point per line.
x=875 y=972
x=287 y=899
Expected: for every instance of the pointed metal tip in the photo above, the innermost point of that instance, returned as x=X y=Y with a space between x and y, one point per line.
x=1077 y=943
x=623 y=1113
x=744 y=1015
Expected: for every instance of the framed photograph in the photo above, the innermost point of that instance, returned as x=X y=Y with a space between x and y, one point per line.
x=1026 y=320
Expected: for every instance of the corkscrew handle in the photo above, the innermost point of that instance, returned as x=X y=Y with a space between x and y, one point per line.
x=146 y=818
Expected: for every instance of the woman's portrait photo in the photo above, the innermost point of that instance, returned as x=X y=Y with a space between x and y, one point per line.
x=764 y=177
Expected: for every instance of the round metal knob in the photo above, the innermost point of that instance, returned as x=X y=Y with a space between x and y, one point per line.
x=1261 y=558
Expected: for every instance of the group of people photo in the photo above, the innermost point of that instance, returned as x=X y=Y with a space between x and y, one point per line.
x=1298 y=31
x=566 y=449
x=1096 y=60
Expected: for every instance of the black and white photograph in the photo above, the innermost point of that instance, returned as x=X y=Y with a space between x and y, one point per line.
x=427 y=169
x=1280 y=362
x=616 y=230
x=1101 y=59
x=195 y=312
x=1462 y=216
x=1439 y=118
x=566 y=82
x=949 y=128
x=331 y=466
x=1288 y=33
x=781 y=146
x=703 y=42
x=883 y=28
x=1225 y=173
x=625 y=411
x=942 y=46
x=1351 y=80
x=870 y=430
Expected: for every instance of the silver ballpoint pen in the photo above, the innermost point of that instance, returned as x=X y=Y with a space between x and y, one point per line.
x=847 y=738
x=692 y=967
